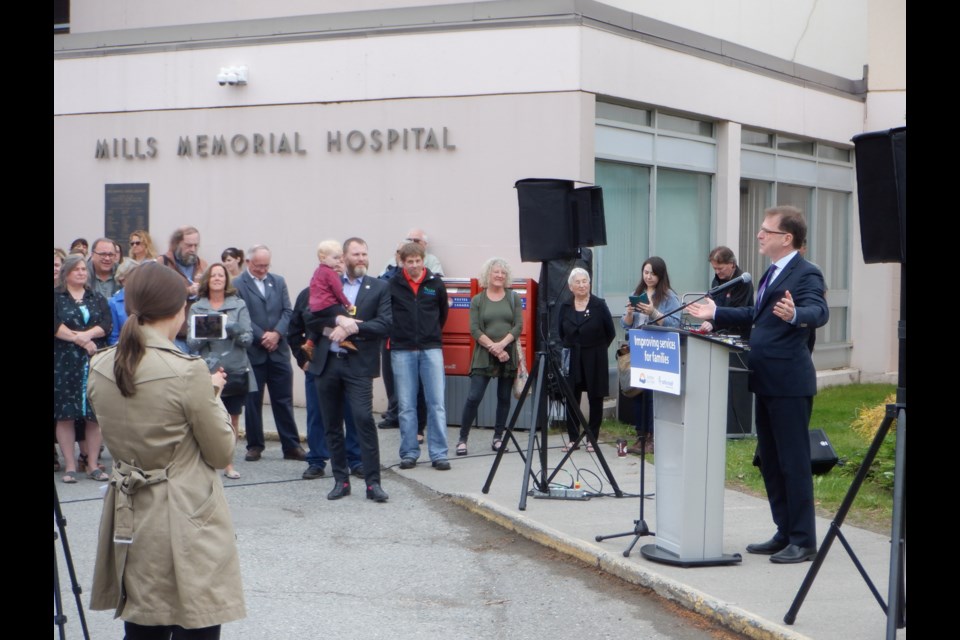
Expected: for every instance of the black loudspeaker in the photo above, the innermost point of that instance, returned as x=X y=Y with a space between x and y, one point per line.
x=556 y=219
x=591 y=224
x=822 y=455
x=882 y=194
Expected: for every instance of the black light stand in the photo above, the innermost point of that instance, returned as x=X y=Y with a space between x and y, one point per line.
x=548 y=378
x=59 y=618
x=895 y=608
x=882 y=194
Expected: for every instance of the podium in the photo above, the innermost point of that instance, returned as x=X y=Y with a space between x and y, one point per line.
x=690 y=432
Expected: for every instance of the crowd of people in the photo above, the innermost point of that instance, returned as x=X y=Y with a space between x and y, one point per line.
x=263 y=331
x=346 y=328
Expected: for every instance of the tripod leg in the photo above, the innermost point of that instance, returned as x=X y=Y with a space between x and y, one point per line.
x=791 y=615
x=508 y=435
x=539 y=399
x=573 y=408
x=896 y=586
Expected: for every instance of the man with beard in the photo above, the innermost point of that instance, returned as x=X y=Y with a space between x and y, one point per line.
x=346 y=377
x=182 y=257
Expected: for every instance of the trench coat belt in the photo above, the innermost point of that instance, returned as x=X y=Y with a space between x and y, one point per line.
x=127 y=480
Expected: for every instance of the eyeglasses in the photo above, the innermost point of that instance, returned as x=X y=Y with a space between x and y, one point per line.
x=135 y=243
x=105 y=254
x=766 y=231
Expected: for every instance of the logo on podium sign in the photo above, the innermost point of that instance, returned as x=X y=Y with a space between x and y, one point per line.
x=655 y=360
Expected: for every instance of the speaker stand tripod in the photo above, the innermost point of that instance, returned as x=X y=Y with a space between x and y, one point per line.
x=548 y=373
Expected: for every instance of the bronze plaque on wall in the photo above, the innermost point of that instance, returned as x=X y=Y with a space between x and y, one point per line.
x=126 y=209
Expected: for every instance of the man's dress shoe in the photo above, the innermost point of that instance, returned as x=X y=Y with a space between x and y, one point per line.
x=375 y=492
x=769 y=547
x=793 y=553
x=253 y=454
x=340 y=490
x=295 y=454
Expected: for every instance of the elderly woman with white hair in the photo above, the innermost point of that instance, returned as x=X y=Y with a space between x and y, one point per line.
x=496 y=320
x=585 y=327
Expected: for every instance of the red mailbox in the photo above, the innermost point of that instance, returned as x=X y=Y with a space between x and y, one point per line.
x=457 y=341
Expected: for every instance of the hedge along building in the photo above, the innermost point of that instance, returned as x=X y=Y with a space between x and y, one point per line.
x=368 y=118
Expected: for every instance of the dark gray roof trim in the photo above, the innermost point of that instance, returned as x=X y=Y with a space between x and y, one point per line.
x=453 y=17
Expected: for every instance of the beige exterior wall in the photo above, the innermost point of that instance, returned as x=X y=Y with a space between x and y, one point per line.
x=516 y=102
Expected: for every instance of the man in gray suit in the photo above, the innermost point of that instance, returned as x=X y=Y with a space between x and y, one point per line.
x=269 y=305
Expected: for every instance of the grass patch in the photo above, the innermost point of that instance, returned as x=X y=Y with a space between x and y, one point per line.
x=835 y=409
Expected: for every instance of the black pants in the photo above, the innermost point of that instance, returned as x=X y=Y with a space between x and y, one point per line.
x=134 y=631
x=478 y=387
x=643 y=413
x=595 y=404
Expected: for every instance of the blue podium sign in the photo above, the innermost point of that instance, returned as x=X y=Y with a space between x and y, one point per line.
x=655 y=360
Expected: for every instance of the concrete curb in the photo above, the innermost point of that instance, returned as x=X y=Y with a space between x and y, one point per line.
x=723 y=613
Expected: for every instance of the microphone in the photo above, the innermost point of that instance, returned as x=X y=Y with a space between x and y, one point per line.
x=745 y=277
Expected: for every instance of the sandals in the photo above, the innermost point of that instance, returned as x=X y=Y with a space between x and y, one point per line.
x=569 y=447
x=497 y=444
x=461 y=448
x=590 y=448
x=99 y=475
x=233 y=474
x=83 y=463
x=69 y=477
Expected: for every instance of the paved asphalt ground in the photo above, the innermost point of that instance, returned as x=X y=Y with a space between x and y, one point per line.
x=422 y=564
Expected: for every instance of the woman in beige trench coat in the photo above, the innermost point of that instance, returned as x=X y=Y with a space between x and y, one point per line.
x=167 y=557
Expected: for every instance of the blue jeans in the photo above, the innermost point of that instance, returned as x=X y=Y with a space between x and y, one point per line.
x=316 y=440
x=410 y=368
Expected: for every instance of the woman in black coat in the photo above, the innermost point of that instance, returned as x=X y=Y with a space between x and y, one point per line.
x=586 y=328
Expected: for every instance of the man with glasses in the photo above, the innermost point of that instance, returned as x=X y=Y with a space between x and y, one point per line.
x=103 y=265
x=790 y=305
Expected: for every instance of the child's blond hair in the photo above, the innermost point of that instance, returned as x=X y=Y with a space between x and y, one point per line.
x=328 y=248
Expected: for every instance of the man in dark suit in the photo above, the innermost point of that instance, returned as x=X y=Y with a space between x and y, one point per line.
x=790 y=305
x=347 y=376
x=317 y=455
x=269 y=305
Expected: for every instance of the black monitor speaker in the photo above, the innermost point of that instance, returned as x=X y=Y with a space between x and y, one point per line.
x=882 y=194
x=556 y=219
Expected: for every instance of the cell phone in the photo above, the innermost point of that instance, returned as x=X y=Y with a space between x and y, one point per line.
x=208 y=326
x=635 y=300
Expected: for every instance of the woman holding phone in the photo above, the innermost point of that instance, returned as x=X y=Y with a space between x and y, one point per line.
x=230 y=353
x=652 y=302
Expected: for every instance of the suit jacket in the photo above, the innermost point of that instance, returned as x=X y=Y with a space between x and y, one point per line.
x=272 y=313
x=373 y=308
x=780 y=359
